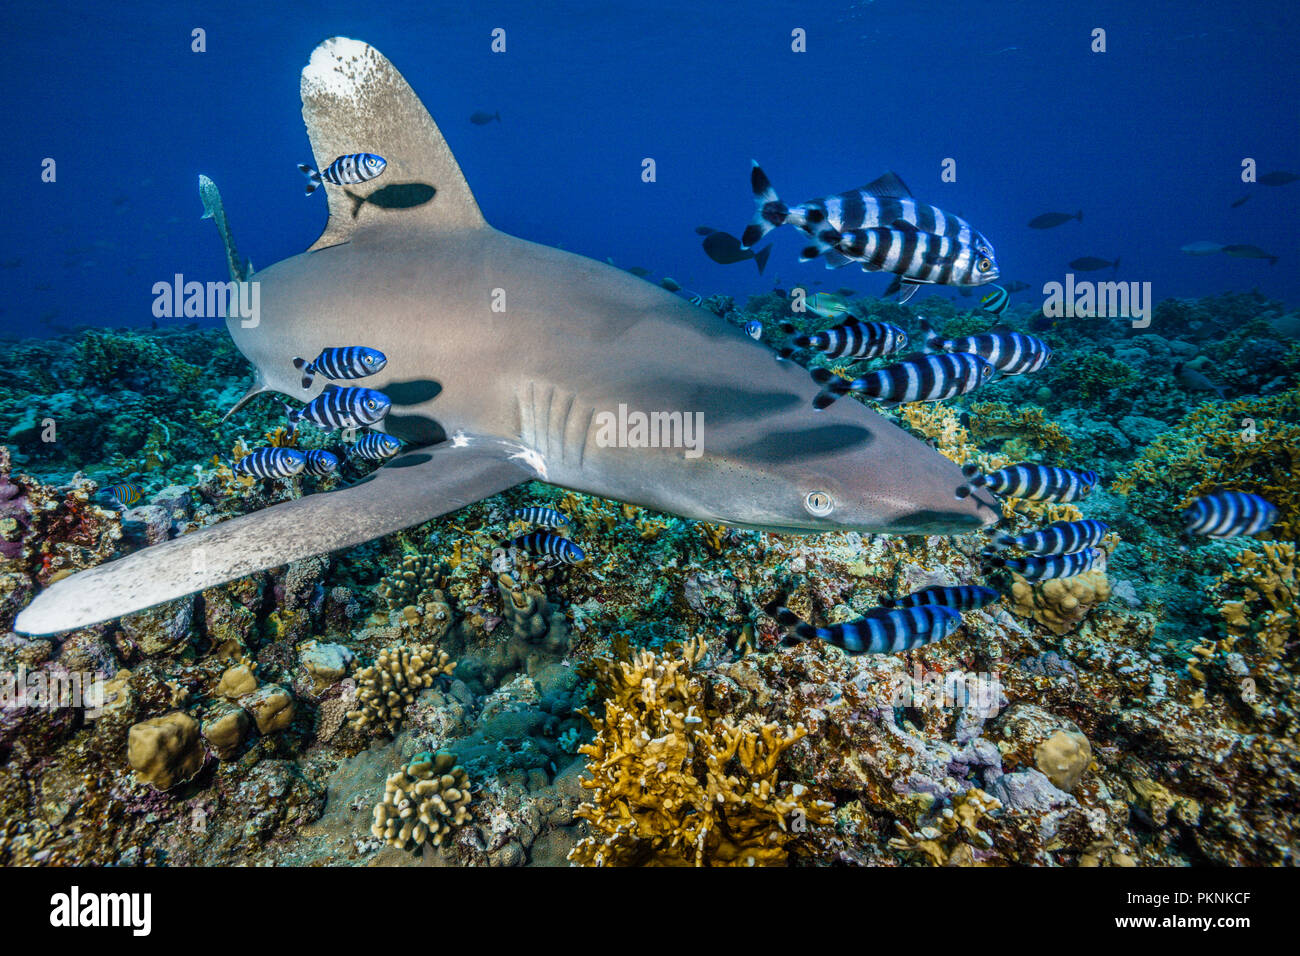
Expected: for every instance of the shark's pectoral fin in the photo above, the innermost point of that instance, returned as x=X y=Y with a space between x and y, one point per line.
x=353 y=100
x=415 y=486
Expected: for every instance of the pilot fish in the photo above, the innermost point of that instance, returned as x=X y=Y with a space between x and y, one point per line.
x=550 y=545
x=375 y=446
x=883 y=631
x=1226 y=514
x=341 y=362
x=917 y=378
x=271 y=462
x=917 y=258
x=965 y=597
x=858 y=340
x=320 y=462
x=336 y=407
x=347 y=170
x=546 y=517
x=1008 y=351
x=1051 y=566
x=1059 y=537
x=1031 y=482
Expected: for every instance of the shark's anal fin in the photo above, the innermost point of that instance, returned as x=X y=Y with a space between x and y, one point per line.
x=412 y=488
x=354 y=100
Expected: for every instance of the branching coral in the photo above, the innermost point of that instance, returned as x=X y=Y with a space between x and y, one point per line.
x=412 y=591
x=672 y=785
x=388 y=686
x=422 y=802
x=1269 y=610
x=1248 y=445
x=1025 y=427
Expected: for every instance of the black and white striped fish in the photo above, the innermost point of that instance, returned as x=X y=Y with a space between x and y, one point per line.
x=548 y=544
x=1059 y=537
x=546 y=517
x=1226 y=514
x=854 y=339
x=964 y=597
x=320 y=462
x=347 y=170
x=375 y=446
x=917 y=378
x=882 y=632
x=882 y=202
x=271 y=462
x=1046 y=567
x=341 y=362
x=917 y=258
x=995 y=302
x=1008 y=351
x=341 y=407
x=1031 y=482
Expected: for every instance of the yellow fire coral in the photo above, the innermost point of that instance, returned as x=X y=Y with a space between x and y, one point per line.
x=388 y=686
x=672 y=785
x=1061 y=604
x=1269 y=610
x=422 y=802
x=1248 y=445
x=1026 y=427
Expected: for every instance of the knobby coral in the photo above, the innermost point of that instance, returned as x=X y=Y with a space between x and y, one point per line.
x=422 y=802
x=388 y=686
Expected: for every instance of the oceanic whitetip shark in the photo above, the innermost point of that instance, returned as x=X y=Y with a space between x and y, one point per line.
x=502 y=355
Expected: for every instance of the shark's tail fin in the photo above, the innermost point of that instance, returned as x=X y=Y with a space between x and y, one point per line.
x=769 y=211
x=313 y=178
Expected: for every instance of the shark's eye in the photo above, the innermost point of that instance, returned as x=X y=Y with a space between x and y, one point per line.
x=819 y=503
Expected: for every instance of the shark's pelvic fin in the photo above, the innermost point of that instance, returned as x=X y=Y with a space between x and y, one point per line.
x=257 y=388
x=354 y=100
x=415 y=486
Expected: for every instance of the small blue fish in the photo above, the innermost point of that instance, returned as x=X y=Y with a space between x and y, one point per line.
x=1226 y=514
x=125 y=494
x=964 y=597
x=341 y=362
x=548 y=544
x=347 y=170
x=375 y=446
x=546 y=517
x=881 y=632
x=271 y=462
x=341 y=407
x=754 y=329
x=320 y=462
x=1050 y=566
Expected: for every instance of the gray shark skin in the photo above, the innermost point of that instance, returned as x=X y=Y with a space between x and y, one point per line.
x=502 y=356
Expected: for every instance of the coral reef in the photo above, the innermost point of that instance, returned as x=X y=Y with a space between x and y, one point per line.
x=388 y=686
x=423 y=802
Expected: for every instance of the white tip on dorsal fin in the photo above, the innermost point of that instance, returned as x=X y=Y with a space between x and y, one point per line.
x=355 y=101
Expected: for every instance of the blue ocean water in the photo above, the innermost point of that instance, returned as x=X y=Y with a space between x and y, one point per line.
x=1146 y=138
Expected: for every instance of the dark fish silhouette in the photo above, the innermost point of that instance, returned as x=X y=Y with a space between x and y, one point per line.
x=638 y=271
x=1245 y=251
x=1279 y=178
x=1240 y=202
x=704 y=230
x=1049 y=219
x=1092 y=264
x=1017 y=286
x=1194 y=381
x=724 y=248
x=482 y=119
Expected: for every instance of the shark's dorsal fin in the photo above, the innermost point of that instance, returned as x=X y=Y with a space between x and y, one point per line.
x=355 y=101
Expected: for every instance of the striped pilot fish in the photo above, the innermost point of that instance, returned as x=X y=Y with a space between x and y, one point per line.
x=1226 y=514
x=271 y=462
x=125 y=494
x=347 y=170
x=1031 y=482
x=1008 y=351
x=917 y=258
x=375 y=446
x=546 y=517
x=917 y=378
x=548 y=544
x=1046 y=567
x=883 y=202
x=341 y=362
x=857 y=340
x=320 y=462
x=882 y=631
x=341 y=407
x=964 y=597
x=1059 y=537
